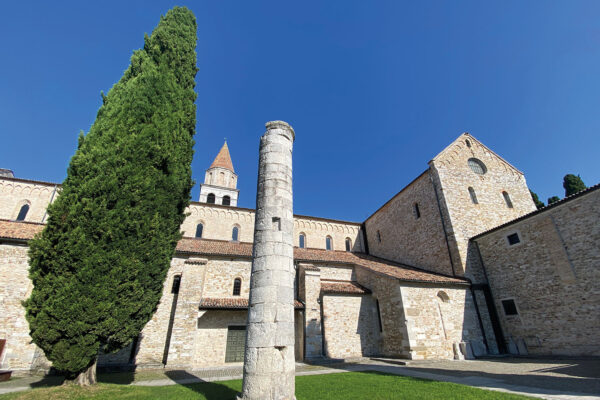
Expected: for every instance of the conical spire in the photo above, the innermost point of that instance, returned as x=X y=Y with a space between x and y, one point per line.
x=223 y=159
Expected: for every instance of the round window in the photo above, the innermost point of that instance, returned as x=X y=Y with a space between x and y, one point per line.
x=477 y=166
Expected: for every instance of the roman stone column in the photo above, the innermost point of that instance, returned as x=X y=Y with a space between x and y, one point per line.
x=269 y=364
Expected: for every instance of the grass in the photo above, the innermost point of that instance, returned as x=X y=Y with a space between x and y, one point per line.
x=349 y=385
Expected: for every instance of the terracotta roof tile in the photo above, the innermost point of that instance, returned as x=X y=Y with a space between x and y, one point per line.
x=228 y=303
x=19 y=229
x=342 y=287
x=223 y=159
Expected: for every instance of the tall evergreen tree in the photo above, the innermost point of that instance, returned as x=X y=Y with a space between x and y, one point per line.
x=553 y=199
x=99 y=265
x=538 y=203
x=573 y=184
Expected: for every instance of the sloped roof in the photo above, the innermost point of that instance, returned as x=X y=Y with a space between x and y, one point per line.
x=26 y=230
x=223 y=159
x=342 y=287
x=19 y=229
x=228 y=303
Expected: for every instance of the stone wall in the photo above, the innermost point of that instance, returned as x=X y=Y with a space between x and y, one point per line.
x=19 y=353
x=464 y=219
x=14 y=193
x=437 y=318
x=350 y=325
x=316 y=230
x=309 y=291
x=220 y=274
x=404 y=235
x=553 y=276
x=211 y=336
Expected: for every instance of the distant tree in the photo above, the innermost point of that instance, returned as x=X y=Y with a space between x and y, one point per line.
x=573 y=184
x=99 y=266
x=538 y=203
x=553 y=199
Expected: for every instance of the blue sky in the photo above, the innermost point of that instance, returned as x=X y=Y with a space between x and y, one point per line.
x=373 y=89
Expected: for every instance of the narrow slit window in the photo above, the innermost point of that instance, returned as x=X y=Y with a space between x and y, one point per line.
x=199 y=229
x=23 y=212
x=302 y=241
x=378 y=315
x=473 y=195
x=176 y=284
x=237 y=286
x=506 y=196
x=348 y=244
x=379 y=236
x=417 y=211
x=328 y=243
x=235 y=234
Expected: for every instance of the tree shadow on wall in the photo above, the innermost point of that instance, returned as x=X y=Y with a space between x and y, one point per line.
x=210 y=390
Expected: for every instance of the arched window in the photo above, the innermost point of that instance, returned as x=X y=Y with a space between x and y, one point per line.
x=302 y=241
x=235 y=233
x=468 y=142
x=23 y=212
x=199 y=229
x=477 y=166
x=509 y=203
x=237 y=286
x=348 y=244
x=417 y=211
x=222 y=178
x=443 y=296
x=328 y=243
x=226 y=200
x=210 y=199
x=473 y=195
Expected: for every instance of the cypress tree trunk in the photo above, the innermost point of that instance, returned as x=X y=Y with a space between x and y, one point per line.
x=85 y=378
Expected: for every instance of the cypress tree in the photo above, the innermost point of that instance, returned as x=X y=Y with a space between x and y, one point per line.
x=538 y=203
x=99 y=265
x=553 y=199
x=573 y=184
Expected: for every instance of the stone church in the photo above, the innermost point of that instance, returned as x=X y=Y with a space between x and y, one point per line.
x=458 y=264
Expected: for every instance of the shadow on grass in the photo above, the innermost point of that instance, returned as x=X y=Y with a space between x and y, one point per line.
x=210 y=390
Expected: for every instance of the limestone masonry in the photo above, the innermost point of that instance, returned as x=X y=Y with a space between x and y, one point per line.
x=458 y=264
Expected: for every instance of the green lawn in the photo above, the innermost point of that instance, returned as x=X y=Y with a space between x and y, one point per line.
x=349 y=385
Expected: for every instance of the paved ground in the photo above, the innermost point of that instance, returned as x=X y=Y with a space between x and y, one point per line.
x=545 y=378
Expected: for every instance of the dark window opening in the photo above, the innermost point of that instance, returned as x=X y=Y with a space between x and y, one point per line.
x=235 y=233
x=348 y=244
x=379 y=236
x=417 y=211
x=23 y=212
x=473 y=195
x=468 y=143
x=379 y=315
x=513 y=239
x=226 y=200
x=328 y=245
x=199 y=229
x=176 y=284
x=302 y=241
x=210 y=199
x=510 y=308
x=509 y=203
x=276 y=224
x=237 y=286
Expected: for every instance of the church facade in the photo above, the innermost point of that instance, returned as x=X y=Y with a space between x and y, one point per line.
x=427 y=275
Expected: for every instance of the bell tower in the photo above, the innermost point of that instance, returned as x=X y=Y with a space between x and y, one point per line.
x=220 y=181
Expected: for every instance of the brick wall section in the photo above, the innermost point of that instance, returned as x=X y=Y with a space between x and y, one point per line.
x=350 y=325
x=404 y=236
x=19 y=353
x=434 y=325
x=553 y=275
x=453 y=176
x=16 y=192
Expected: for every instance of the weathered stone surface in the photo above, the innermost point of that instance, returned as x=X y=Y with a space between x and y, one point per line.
x=271 y=375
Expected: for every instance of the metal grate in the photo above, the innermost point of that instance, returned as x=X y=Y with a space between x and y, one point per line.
x=236 y=338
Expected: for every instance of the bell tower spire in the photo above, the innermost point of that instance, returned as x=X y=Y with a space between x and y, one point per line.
x=220 y=181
